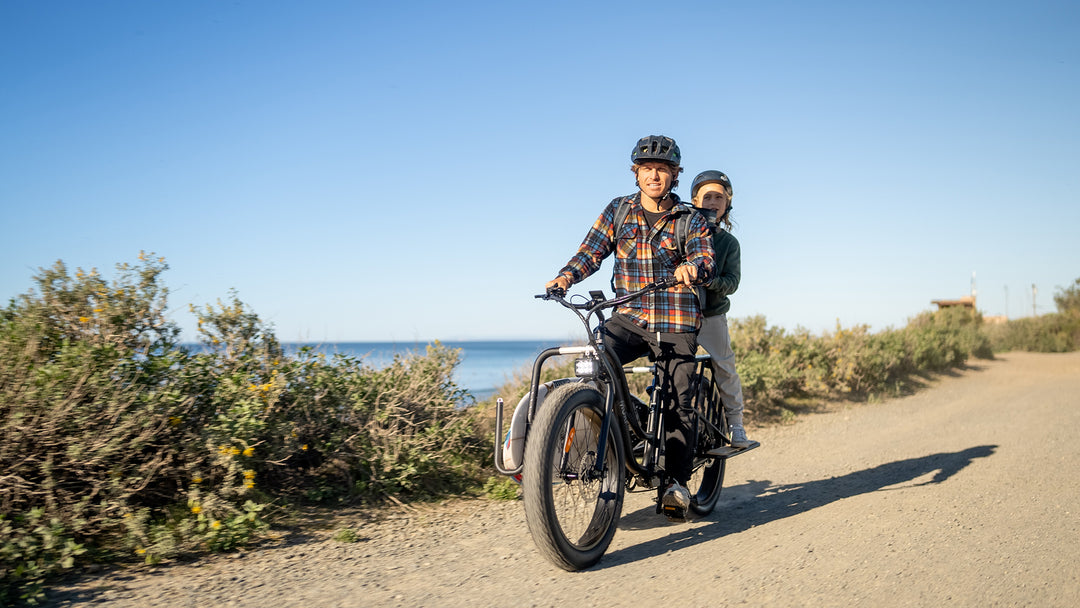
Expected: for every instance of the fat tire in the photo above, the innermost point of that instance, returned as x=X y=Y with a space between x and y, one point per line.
x=707 y=480
x=705 y=485
x=548 y=493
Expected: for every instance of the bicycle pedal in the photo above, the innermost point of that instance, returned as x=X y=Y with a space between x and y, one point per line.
x=674 y=513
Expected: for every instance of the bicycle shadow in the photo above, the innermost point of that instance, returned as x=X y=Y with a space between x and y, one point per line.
x=761 y=502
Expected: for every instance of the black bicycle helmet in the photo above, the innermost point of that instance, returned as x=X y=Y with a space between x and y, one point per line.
x=709 y=177
x=656 y=148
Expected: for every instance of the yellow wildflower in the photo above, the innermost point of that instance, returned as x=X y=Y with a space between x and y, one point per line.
x=140 y=550
x=249 y=474
x=215 y=524
x=234 y=451
x=303 y=447
x=84 y=319
x=249 y=452
x=249 y=484
x=174 y=420
x=196 y=509
x=196 y=479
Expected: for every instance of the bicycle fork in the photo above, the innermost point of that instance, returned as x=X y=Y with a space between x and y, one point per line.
x=596 y=470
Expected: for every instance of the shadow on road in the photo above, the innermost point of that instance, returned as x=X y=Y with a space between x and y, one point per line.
x=761 y=502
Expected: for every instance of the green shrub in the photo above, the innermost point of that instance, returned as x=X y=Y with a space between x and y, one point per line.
x=501 y=488
x=116 y=441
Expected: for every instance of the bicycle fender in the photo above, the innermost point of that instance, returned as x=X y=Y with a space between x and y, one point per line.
x=514 y=442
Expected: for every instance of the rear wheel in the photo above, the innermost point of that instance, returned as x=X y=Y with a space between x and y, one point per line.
x=705 y=485
x=708 y=477
x=571 y=507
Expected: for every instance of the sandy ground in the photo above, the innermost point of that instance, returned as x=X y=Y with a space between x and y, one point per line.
x=965 y=494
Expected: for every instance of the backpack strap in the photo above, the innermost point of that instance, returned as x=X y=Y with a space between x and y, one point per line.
x=682 y=234
x=621 y=212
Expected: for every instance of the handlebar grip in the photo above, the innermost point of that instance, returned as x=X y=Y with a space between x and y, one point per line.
x=553 y=292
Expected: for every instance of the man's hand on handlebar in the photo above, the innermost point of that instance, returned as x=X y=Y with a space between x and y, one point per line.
x=686 y=274
x=560 y=282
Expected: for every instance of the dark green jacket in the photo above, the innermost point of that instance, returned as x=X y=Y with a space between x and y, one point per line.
x=727 y=274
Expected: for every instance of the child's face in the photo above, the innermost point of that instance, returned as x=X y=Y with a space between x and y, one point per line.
x=712 y=196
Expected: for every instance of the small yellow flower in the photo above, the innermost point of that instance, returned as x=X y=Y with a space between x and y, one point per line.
x=303 y=447
x=249 y=474
x=215 y=524
x=234 y=451
x=224 y=449
x=249 y=484
x=140 y=550
x=84 y=319
x=249 y=452
x=196 y=479
x=174 y=420
x=196 y=509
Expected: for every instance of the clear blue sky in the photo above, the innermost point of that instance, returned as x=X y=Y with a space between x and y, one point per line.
x=410 y=171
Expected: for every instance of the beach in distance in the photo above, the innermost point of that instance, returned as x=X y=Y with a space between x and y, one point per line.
x=485 y=365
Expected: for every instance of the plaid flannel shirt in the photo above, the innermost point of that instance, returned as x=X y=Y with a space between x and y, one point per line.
x=645 y=254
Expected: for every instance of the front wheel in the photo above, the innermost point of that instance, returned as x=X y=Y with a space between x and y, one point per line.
x=571 y=507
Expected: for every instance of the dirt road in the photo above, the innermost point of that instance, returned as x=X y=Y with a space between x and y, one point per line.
x=965 y=494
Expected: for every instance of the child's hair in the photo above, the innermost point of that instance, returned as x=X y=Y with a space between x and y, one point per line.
x=726 y=220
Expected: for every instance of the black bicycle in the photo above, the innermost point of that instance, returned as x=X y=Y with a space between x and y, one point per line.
x=578 y=444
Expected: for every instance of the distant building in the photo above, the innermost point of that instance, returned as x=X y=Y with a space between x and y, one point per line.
x=967 y=302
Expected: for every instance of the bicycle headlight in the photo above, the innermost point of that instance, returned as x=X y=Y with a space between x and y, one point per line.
x=587 y=367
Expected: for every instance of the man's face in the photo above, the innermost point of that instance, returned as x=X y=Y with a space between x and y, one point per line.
x=712 y=196
x=654 y=178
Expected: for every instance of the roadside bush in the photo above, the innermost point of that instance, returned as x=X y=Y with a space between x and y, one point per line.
x=117 y=441
x=89 y=400
x=1051 y=333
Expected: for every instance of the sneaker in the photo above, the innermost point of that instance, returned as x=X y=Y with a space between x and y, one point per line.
x=738 y=437
x=676 y=496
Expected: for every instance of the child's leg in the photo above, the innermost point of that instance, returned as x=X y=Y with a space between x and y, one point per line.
x=716 y=340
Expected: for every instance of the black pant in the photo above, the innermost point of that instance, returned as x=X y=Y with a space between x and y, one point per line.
x=673 y=356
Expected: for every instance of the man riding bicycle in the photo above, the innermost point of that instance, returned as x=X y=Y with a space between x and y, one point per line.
x=648 y=247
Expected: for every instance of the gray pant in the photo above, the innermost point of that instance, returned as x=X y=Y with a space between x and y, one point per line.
x=714 y=338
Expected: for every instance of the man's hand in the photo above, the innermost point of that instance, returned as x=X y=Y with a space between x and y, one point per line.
x=686 y=274
x=561 y=281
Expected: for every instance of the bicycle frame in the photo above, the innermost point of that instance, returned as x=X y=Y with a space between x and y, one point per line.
x=612 y=377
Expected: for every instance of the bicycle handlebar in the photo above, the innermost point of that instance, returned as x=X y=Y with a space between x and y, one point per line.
x=559 y=295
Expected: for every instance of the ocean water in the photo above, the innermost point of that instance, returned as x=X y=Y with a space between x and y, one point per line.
x=484 y=366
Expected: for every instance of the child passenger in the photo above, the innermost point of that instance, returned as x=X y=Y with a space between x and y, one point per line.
x=711 y=190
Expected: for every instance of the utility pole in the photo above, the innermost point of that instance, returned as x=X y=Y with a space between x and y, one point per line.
x=1034 y=292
